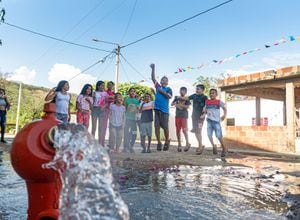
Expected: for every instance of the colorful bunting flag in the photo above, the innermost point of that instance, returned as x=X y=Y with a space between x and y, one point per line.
x=292 y=38
x=281 y=41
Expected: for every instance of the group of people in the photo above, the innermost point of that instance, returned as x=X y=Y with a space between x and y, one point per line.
x=123 y=116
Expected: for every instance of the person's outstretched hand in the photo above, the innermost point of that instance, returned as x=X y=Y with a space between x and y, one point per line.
x=152 y=65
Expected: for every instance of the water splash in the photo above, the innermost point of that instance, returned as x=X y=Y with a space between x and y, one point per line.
x=88 y=191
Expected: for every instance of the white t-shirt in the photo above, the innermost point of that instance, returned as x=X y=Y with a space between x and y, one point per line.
x=62 y=102
x=84 y=104
x=117 y=115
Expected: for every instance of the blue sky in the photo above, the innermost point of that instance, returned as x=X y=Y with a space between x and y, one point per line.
x=236 y=27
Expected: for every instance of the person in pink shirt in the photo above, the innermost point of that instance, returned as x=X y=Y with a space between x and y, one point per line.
x=98 y=112
x=84 y=103
x=109 y=100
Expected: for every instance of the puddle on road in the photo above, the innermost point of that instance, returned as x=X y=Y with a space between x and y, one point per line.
x=260 y=191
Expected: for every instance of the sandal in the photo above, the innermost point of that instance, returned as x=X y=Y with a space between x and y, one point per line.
x=187 y=147
x=199 y=150
x=179 y=149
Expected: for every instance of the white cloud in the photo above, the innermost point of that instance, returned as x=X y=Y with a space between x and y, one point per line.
x=65 y=72
x=281 y=59
x=23 y=74
x=273 y=61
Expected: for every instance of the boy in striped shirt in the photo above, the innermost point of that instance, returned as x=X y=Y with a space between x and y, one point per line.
x=212 y=110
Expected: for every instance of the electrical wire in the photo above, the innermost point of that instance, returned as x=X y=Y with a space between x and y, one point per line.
x=178 y=23
x=129 y=21
x=69 y=31
x=104 y=70
x=91 y=66
x=138 y=72
x=123 y=68
x=54 y=38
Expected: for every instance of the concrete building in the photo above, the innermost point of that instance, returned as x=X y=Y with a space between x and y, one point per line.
x=281 y=90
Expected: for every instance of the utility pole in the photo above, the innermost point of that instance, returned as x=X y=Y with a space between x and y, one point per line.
x=117 y=67
x=118 y=50
x=18 y=108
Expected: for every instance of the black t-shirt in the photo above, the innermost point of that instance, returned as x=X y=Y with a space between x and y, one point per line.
x=147 y=112
x=198 y=104
x=181 y=112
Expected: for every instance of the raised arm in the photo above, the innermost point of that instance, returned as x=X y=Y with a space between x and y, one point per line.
x=152 y=66
x=51 y=95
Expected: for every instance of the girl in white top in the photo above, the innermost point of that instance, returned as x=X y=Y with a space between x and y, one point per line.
x=60 y=96
x=116 y=123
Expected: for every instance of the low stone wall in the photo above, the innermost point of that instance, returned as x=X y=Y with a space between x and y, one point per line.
x=270 y=138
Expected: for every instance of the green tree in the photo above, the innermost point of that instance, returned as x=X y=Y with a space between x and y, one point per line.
x=208 y=82
x=140 y=89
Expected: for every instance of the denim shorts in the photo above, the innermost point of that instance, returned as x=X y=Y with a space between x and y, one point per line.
x=214 y=126
x=97 y=112
x=62 y=117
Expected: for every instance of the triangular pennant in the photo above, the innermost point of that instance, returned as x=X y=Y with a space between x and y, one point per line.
x=176 y=72
x=183 y=70
x=245 y=53
x=292 y=38
x=276 y=44
x=215 y=61
x=238 y=55
x=250 y=51
x=267 y=46
x=283 y=40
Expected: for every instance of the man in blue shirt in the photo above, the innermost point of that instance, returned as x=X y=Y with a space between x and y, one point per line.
x=161 y=108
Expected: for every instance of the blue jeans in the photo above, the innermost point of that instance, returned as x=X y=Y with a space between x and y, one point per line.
x=2 y=123
x=214 y=126
x=62 y=117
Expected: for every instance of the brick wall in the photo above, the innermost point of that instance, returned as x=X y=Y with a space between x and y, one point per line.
x=270 y=138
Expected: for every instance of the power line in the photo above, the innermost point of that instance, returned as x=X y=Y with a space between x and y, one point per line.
x=123 y=68
x=129 y=21
x=104 y=70
x=138 y=72
x=70 y=30
x=55 y=38
x=101 y=19
x=91 y=66
x=178 y=23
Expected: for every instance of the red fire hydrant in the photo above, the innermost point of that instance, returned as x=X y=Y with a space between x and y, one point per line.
x=31 y=148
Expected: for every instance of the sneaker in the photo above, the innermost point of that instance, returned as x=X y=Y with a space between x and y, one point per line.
x=215 y=150
x=144 y=151
x=148 y=150
x=158 y=147
x=193 y=130
x=224 y=153
x=4 y=141
x=187 y=147
x=166 y=146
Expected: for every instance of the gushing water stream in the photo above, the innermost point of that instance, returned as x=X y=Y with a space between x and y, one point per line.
x=88 y=191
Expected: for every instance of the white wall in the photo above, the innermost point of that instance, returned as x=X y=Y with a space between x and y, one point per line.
x=244 y=111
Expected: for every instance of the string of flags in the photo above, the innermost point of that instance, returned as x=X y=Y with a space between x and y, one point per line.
x=217 y=62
